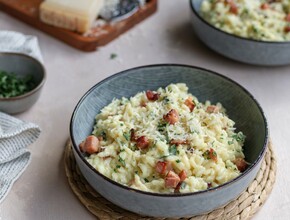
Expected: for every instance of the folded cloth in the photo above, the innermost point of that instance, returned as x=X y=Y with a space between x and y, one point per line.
x=11 y=41
x=15 y=135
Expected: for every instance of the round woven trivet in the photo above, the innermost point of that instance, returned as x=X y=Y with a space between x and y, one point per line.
x=244 y=207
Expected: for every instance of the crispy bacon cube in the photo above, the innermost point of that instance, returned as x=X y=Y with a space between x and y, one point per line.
x=171 y=117
x=171 y=179
x=91 y=145
x=152 y=96
x=241 y=164
x=190 y=104
x=142 y=142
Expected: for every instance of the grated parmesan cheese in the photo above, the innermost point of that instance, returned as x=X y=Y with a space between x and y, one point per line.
x=122 y=161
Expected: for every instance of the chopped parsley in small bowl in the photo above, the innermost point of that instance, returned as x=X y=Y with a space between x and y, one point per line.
x=21 y=81
x=12 y=85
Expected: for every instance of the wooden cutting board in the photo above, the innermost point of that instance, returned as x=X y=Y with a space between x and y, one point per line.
x=28 y=12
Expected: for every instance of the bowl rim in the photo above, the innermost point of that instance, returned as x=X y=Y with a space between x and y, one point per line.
x=40 y=84
x=229 y=34
x=243 y=174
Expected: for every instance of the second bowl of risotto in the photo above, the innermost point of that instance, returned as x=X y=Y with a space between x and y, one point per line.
x=254 y=32
x=168 y=140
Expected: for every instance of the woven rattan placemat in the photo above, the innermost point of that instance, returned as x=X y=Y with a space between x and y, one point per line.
x=244 y=207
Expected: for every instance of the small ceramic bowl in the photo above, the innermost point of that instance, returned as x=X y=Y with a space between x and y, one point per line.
x=205 y=85
x=22 y=65
x=238 y=48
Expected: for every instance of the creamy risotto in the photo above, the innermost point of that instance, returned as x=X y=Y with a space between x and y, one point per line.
x=165 y=141
x=266 y=20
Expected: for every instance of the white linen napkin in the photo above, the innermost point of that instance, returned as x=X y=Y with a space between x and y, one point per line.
x=15 y=135
x=11 y=41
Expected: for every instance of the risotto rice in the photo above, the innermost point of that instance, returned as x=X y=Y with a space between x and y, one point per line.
x=167 y=141
x=265 y=20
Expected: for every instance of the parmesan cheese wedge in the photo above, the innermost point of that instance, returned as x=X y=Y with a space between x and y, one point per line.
x=75 y=15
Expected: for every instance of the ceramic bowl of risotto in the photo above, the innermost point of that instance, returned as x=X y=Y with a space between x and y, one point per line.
x=168 y=140
x=253 y=32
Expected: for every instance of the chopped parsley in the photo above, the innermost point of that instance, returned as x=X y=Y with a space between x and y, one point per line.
x=245 y=11
x=166 y=100
x=255 y=29
x=210 y=155
x=183 y=185
x=113 y=56
x=164 y=156
x=104 y=135
x=127 y=135
x=117 y=167
x=12 y=85
x=178 y=161
x=239 y=137
x=122 y=161
x=146 y=180
x=133 y=147
x=172 y=149
x=161 y=127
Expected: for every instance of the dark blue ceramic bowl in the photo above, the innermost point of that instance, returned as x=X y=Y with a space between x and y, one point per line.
x=205 y=85
x=238 y=48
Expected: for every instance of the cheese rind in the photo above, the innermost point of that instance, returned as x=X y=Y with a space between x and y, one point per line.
x=73 y=15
